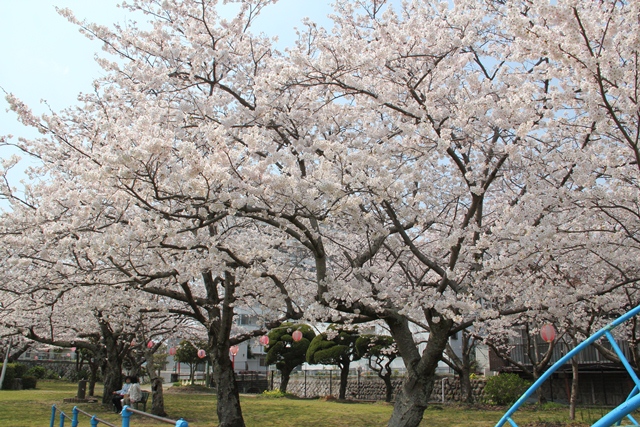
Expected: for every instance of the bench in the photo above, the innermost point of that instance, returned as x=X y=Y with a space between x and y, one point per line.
x=142 y=401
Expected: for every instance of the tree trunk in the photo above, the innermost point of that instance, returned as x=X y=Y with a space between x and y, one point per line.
x=112 y=381
x=157 y=394
x=388 y=386
x=413 y=397
x=344 y=377
x=411 y=401
x=465 y=385
x=284 y=379
x=157 y=398
x=93 y=377
x=229 y=411
x=573 y=400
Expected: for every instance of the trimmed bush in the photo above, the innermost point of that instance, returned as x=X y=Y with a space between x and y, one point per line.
x=21 y=370
x=37 y=371
x=9 y=376
x=29 y=382
x=14 y=370
x=505 y=389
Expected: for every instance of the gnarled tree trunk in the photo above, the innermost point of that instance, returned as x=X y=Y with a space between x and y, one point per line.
x=157 y=396
x=284 y=379
x=344 y=377
x=229 y=411
x=413 y=397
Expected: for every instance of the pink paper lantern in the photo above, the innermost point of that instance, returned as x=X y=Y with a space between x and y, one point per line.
x=548 y=332
x=201 y=353
x=172 y=351
x=68 y=354
x=150 y=344
x=234 y=349
x=73 y=349
x=264 y=340
x=35 y=357
x=297 y=336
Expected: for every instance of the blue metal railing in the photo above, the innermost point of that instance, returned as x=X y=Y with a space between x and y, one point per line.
x=126 y=416
x=624 y=410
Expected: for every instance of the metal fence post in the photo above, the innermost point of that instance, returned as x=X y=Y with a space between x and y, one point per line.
x=94 y=422
x=182 y=423
x=61 y=419
x=53 y=415
x=125 y=416
x=74 y=420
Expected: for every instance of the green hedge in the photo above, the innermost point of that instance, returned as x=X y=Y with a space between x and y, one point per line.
x=37 y=371
x=14 y=370
x=29 y=382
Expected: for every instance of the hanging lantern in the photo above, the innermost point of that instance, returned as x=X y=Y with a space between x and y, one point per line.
x=297 y=336
x=172 y=351
x=548 y=332
x=201 y=353
x=68 y=354
x=150 y=344
x=73 y=349
x=264 y=340
x=35 y=357
x=234 y=350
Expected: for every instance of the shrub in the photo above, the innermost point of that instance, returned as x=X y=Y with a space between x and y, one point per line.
x=275 y=394
x=9 y=376
x=52 y=375
x=37 y=371
x=29 y=382
x=14 y=370
x=21 y=369
x=505 y=389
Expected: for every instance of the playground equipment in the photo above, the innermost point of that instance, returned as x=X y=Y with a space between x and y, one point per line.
x=616 y=415
x=126 y=418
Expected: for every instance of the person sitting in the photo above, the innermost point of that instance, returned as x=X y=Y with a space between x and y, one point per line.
x=135 y=394
x=120 y=394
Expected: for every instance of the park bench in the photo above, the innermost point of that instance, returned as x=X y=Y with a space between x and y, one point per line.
x=143 y=401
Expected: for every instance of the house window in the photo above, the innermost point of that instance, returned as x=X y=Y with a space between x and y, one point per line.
x=246 y=319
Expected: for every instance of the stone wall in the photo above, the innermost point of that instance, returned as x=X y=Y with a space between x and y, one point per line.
x=370 y=388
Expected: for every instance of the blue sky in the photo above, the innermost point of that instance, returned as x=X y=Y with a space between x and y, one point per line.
x=45 y=57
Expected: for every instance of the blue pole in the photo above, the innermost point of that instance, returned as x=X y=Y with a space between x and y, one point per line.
x=53 y=416
x=125 y=416
x=619 y=413
x=74 y=420
x=622 y=357
x=584 y=344
x=94 y=422
x=182 y=423
x=61 y=419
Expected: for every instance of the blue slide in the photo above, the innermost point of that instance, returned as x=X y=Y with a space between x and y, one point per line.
x=617 y=414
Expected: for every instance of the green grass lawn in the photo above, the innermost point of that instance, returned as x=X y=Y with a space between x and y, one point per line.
x=32 y=408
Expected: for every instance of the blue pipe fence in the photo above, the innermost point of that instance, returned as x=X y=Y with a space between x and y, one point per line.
x=614 y=416
x=95 y=421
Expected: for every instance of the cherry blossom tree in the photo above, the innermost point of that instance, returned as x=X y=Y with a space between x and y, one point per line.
x=426 y=164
